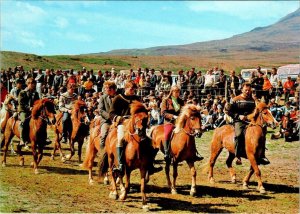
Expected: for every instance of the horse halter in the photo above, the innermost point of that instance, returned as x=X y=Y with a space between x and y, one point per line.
x=44 y=116
x=191 y=132
x=136 y=130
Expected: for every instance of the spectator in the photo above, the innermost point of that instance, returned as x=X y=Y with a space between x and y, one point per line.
x=288 y=88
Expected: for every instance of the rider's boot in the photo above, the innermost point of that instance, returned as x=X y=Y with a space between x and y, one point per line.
x=263 y=160
x=120 y=167
x=198 y=157
x=167 y=155
x=237 y=152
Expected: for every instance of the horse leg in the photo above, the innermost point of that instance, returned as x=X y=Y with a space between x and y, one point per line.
x=167 y=171
x=229 y=160
x=106 y=180
x=7 y=139
x=124 y=189
x=72 y=149
x=175 y=174
x=80 y=143
x=215 y=152
x=193 y=174
x=247 y=178
x=143 y=173
x=113 y=193
x=257 y=172
x=35 y=157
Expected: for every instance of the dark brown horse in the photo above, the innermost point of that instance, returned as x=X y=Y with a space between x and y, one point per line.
x=136 y=152
x=255 y=137
x=93 y=148
x=77 y=131
x=182 y=145
x=42 y=114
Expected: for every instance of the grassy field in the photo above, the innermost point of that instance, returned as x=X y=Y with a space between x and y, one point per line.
x=63 y=187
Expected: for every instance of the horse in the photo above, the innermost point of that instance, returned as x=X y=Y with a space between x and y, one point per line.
x=77 y=131
x=92 y=148
x=255 y=137
x=7 y=110
x=42 y=114
x=182 y=144
x=136 y=151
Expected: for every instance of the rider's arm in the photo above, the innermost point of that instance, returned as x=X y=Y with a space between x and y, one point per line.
x=23 y=101
x=164 y=110
x=102 y=109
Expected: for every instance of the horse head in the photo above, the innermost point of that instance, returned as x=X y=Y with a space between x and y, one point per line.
x=79 y=112
x=263 y=116
x=189 y=120
x=44 y=109
x=139 y=119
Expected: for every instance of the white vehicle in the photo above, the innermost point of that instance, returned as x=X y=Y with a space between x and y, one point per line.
x=247 y=73
x=292 y=70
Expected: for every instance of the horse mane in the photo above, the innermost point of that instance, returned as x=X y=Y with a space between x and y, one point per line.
x=259 y=107
x=38 y=106
x=137 y=107
x=185 y=113
x=76 y=107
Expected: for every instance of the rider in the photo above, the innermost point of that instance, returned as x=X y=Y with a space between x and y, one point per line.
x=170 y=109
x=119 y=110
x=105 y=104
x=26 y=99
x=66 y=102
x=241 y=106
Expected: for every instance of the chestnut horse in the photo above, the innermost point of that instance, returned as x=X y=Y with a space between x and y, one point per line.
x=7 y=110
x=182 y=144
x=136 y=151
x=77 y=131
x=42 y=114
x=255 y=137
x=92 y=148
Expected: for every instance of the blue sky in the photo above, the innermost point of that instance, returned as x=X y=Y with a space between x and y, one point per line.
x=78 y=27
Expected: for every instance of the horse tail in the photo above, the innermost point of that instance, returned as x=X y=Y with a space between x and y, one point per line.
x=103 y=164
x=89 y=155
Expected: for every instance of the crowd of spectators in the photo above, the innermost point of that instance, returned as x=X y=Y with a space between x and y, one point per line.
x=210 y=90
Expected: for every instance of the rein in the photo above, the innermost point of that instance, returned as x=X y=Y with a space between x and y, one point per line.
x=189 y=132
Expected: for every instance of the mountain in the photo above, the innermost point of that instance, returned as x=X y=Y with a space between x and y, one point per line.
x=278 y=37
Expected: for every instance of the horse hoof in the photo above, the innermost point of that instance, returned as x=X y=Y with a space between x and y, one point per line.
x=113 y=196
x=21 y=163
x=68 y=157
x=36 y=171
x=146 y=208
x=3 y=164
x=52 y=157
x=262 y=190
x=106 y=181
x=245 y=186
x=212 y=181
x=192 y=193
x=122 y=196
x=63 y=159
x=174 y=192
x=91 y=182
x=31 y=164
x=233 y=180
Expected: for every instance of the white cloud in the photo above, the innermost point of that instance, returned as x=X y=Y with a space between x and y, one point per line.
x=246 y=9
x=30 y=40
x=79 y=37
x=61 y=22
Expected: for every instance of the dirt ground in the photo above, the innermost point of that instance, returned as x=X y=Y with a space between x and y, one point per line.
x=63 y=187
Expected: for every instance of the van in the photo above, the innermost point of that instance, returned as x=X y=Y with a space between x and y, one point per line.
x=292 y=70
x=247 y=73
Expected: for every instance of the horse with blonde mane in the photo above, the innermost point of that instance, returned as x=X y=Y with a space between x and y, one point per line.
x=255 y=137
x=92 y=149
x=42 y=114
x=136 y=151
x=77 y=131
x=182 y=144
x=7 y=110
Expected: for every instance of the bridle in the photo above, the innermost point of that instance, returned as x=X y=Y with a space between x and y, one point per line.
x=44 y=115
x=190 y=131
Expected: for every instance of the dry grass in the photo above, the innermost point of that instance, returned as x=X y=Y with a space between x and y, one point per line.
x=63 y=187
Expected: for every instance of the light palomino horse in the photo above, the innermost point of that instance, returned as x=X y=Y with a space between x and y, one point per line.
x=42 y=114
x=7 y=110
x=92 y=148
x=182 y=145
x=255 y=138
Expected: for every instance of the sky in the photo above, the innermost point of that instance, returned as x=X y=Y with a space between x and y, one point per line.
x=81 y=27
